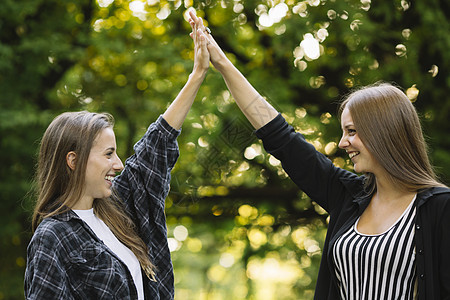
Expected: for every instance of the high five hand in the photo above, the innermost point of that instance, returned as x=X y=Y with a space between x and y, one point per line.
x=216 y=54
x=201 y=57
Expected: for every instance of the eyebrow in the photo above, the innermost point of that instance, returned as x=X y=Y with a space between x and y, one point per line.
x=347 y=126
x=110 y=148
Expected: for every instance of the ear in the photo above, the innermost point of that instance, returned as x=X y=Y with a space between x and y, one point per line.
x=71 y=159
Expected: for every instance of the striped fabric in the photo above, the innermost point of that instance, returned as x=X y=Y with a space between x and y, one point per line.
x=378 y=266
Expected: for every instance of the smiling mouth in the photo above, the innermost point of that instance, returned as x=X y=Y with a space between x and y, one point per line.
x=109 y=178
x=353 y=154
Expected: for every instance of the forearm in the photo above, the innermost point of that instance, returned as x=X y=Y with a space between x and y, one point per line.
x=177 y=111
x=257 y=110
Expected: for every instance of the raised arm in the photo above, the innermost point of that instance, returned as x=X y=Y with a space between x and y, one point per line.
x=177 y=111
x=257 y=110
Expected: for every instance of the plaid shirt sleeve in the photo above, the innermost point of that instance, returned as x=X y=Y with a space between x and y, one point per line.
x=143 y=186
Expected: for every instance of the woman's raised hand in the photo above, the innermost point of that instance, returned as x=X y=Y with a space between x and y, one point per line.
x=177 y=111
x=201 y=56
x=218 y=58
x=257 y=110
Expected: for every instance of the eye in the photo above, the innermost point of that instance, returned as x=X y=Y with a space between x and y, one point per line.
x=109 y=154
x=351 y=132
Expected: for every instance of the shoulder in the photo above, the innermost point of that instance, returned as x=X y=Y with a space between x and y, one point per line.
x=435 y=200
x=352 y=182
x=435 y=195
x=54 y=226
x=52 y=234
x=441 y=198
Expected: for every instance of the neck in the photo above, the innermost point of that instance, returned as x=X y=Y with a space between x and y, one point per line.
x=83 y=204
x=388 y=191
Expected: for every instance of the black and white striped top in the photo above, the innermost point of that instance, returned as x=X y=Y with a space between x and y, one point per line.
x=378 y=266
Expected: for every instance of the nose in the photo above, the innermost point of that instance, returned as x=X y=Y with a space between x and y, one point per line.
x=343 y=143
x=117 y=165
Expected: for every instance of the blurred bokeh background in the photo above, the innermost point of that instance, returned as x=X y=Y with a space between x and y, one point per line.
x=238 y=227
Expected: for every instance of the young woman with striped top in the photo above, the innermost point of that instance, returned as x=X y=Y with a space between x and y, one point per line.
x=389 y=231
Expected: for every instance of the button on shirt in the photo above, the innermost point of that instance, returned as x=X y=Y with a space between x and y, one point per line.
x=65 y=258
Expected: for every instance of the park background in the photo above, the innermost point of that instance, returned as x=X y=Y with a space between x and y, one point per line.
x=238 y=227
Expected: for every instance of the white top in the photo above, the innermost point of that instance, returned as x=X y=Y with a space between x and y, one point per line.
x=124 y=253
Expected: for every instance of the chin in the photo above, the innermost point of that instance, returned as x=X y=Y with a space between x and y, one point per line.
x=357 y=169
x=106 y=195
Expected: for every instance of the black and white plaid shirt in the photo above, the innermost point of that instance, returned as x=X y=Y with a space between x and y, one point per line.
x=65 y=259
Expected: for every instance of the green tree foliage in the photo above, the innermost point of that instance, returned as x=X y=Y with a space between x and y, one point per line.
x=238 y=227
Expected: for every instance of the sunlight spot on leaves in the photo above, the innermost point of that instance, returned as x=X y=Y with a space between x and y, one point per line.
x=174 y=245
x=226 y=260
x=330 y=148
x=400 y=50
x=138 y=9
x=248 y=211
x=406 y=33
x=412 y=93
x=433 y=70
x=194 y=244
x=273 y=161
x=104 y=3
x=310 y=46
x=163 y=13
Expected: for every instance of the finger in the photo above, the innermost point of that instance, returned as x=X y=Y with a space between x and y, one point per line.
x=196 y=40
x=199 y=37
x=195 y=33
x=203 y=37
x=203 y=52
x=203 y=42
x=193 y=15
x=192 y=23
x=212 y=40
x=197 y=20
x=207 y=33
x=202 y=24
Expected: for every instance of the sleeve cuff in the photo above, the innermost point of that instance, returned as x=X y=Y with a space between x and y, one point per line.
x=270 y=127
x=162 y=125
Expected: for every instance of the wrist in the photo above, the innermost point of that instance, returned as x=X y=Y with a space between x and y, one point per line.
x=198 y=74
x=223 y=65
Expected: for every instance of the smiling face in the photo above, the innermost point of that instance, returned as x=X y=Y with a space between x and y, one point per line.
x=362 y=159
x=102 y=165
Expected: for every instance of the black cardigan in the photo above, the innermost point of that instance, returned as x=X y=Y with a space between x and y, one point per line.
x=341 y=194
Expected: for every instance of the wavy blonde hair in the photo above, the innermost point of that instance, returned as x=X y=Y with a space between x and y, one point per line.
x=58 y=187
x=389 y=126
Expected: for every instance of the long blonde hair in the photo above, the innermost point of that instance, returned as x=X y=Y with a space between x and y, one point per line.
x=59 y=187
x=388 y=125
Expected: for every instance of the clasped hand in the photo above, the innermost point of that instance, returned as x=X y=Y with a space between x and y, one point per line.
x=204 y=40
